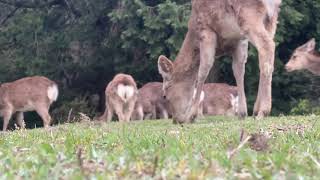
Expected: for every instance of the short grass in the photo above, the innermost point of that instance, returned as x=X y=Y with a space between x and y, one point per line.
x=161 y=150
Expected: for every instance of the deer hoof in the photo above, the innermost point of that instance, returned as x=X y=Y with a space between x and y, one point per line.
x=260 y=115
x=242 y=115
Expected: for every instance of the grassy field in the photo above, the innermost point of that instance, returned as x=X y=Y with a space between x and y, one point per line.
x=161 y=150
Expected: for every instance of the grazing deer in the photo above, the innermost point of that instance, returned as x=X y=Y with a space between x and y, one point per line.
x=121 y=96
x=216 y=28
x=220 y=99
x=27 y=94
x=150 y=103
x=305 y=57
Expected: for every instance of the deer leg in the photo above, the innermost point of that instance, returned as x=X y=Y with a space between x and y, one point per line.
x=7 y=113
x=140 y=113
x=118 y=108
x=109 y=114
x=129 y=110
x=137 y=113
x=240 y=56
x=20 y=120
x=163 y=112
x=265 y=45
x=148 y=116
x=208 y=41
x=154 y=112
x=43 y=112
x=200 y=111
x=104 y=115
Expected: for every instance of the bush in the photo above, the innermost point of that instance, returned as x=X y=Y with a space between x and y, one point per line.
x=72 y=111
x=305 y=107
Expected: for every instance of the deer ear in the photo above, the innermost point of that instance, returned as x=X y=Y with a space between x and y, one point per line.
x=309 y=46
x=165 y=67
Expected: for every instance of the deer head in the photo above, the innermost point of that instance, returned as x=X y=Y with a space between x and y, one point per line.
x=301 y=57
x=179 y=93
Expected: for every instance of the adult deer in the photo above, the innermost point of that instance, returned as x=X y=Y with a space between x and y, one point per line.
x=27 y=94
x=121 y=96
x=216 y=28
x=305 y=57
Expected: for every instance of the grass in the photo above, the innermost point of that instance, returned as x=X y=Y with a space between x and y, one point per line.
x=159 y=149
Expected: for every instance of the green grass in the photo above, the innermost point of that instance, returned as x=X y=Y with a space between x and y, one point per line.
x=159 y=149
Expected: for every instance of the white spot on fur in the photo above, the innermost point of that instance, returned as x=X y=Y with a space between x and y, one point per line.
x=53 y=92
x=194 y=93
x=125 y=92
x=234 y=103
x=202 y=95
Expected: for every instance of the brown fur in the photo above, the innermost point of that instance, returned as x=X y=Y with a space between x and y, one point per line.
x=151 y=102
x=216 y=28
x=305 y=57
x=26 y=94
x=115 y=104
x=217 y=99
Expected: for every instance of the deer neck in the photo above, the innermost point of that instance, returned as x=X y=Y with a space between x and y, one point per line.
x=188 y=60
x=314 y=63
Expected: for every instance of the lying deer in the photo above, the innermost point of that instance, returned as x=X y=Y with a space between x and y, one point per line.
x=305 y=57
x=121 y=96
x=150 y=103
x=216 y=28
x=27 y=94
x=220 y=99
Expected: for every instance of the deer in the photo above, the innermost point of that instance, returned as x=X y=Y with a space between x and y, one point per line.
x=121 y=96
x=35 y=93
x=220 y=99
x=150 y=103
x=217 y=28
x=305 y=57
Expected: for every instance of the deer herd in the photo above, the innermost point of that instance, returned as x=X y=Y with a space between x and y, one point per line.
x=216 y=28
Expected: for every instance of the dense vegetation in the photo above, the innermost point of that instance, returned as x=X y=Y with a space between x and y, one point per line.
x=161 y=150
x=81 y=44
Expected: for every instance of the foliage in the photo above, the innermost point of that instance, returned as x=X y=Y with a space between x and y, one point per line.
x=159 y=149
x=305 y=107
x=81 y=44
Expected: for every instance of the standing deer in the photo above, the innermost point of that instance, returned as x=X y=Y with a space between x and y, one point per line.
x=121 y=96
x=216 y=28
x=150 y=103
x=305 y=57
x=27 y=94
x=220 y=99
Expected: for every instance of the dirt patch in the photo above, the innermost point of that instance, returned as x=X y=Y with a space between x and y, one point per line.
x=296 y=128
x=256 y=141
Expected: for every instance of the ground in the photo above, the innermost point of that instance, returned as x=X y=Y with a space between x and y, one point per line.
x=161 y=150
